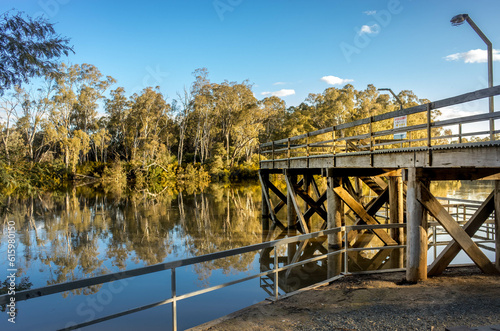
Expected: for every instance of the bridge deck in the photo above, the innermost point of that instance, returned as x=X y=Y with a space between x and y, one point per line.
x=374 y=143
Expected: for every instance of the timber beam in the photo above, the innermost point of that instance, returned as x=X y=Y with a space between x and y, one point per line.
x=470 y=228
x=358 y=209
x=432 y=205
x=465 y=173
x=360 y=172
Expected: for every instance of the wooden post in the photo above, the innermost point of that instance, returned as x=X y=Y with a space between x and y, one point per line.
x=497 y=224
x=335 y=210
x=416 y=250
x=394 y=205
x=265 y=208
x=306 y=186
x=291 y=216
x=395 y=217
x=401 y=218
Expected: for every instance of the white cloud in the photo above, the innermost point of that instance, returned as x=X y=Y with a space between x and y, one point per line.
x=369 y=29
x=281 y=93
x=370 y=12
x=457 y=111
x=333 y=80
x=474 y=56
x=280 y=83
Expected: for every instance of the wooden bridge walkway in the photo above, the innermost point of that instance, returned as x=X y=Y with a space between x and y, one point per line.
x=395 y=165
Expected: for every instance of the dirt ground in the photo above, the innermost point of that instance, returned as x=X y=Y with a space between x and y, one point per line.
x=460 y=297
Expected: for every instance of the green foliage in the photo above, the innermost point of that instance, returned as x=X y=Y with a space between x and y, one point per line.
x=246 y=170
x=30 y=177
x=28 y=47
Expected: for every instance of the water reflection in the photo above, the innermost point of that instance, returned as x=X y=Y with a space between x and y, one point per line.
x=85 y=232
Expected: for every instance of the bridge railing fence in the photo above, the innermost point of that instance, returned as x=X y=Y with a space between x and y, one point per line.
x=379 y=132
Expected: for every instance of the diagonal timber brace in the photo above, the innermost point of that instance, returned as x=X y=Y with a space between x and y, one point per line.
x=372 y=208
x=474 y=223
x=363 y=214
x=432 y=205
x=264 y=184
x=302 y=221
x=315 y=206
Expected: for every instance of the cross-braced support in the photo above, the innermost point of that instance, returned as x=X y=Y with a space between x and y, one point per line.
x=420 y=201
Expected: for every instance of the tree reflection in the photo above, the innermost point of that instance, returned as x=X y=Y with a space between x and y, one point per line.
x=84 y=232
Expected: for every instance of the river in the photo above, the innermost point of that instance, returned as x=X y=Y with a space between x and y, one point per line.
x=85 y=232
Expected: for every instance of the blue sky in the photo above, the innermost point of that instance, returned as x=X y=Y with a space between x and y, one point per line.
x=279 y=45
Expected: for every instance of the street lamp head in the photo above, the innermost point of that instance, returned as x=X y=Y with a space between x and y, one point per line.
x=458 y=19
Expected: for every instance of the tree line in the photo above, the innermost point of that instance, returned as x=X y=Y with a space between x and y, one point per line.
x=74 y=122
x=216 y=127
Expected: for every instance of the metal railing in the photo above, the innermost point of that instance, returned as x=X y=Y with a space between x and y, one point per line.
x=172 y=266
x=461 y=210
x=372 y=134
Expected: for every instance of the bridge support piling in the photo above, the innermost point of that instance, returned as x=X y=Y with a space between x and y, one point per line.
x=265 y=208
x=291 y=215
x=497 y=224
x=416 y=253
x=334 y=216
x=396 y=215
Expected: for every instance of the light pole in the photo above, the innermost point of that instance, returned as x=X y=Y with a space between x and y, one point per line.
x=394 y=95
x=460 y=19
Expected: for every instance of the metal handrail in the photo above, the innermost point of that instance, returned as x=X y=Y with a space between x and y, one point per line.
x=38 y=292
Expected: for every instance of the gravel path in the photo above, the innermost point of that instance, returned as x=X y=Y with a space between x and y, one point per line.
x=460 y=297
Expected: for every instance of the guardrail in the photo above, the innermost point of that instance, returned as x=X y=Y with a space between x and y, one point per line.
x=172 y=266
x=462 y=210
x=376 y=133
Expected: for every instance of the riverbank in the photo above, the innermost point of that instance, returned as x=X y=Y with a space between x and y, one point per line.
x=460 y=297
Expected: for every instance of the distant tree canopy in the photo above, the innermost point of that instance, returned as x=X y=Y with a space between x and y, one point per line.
x=73 y=117
x=28 y=47
x=219 y=125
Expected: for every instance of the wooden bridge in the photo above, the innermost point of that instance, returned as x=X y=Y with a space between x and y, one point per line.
x=371 y=163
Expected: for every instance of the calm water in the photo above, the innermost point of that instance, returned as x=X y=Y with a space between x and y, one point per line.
x=83 y=233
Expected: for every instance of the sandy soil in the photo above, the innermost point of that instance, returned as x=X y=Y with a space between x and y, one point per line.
x=460 y=297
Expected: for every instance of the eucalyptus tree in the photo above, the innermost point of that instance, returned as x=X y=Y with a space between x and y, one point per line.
x=8 y=108
x=273 y=113
x=34 y=106
x=117 y=109
x=232 y=103
x=147 y=122
x=182 y=107
x=78 y=90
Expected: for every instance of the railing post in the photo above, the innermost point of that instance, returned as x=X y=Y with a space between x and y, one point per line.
x=460 y=133
x=334 y=138
x=307 y=149
x=276 y=293
x=272 y=153
x=371 y=133
x=307 y=144
x=346 y=247
x=371 y=141
x=429 y=134
x=174 y=302
x=288 y=152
